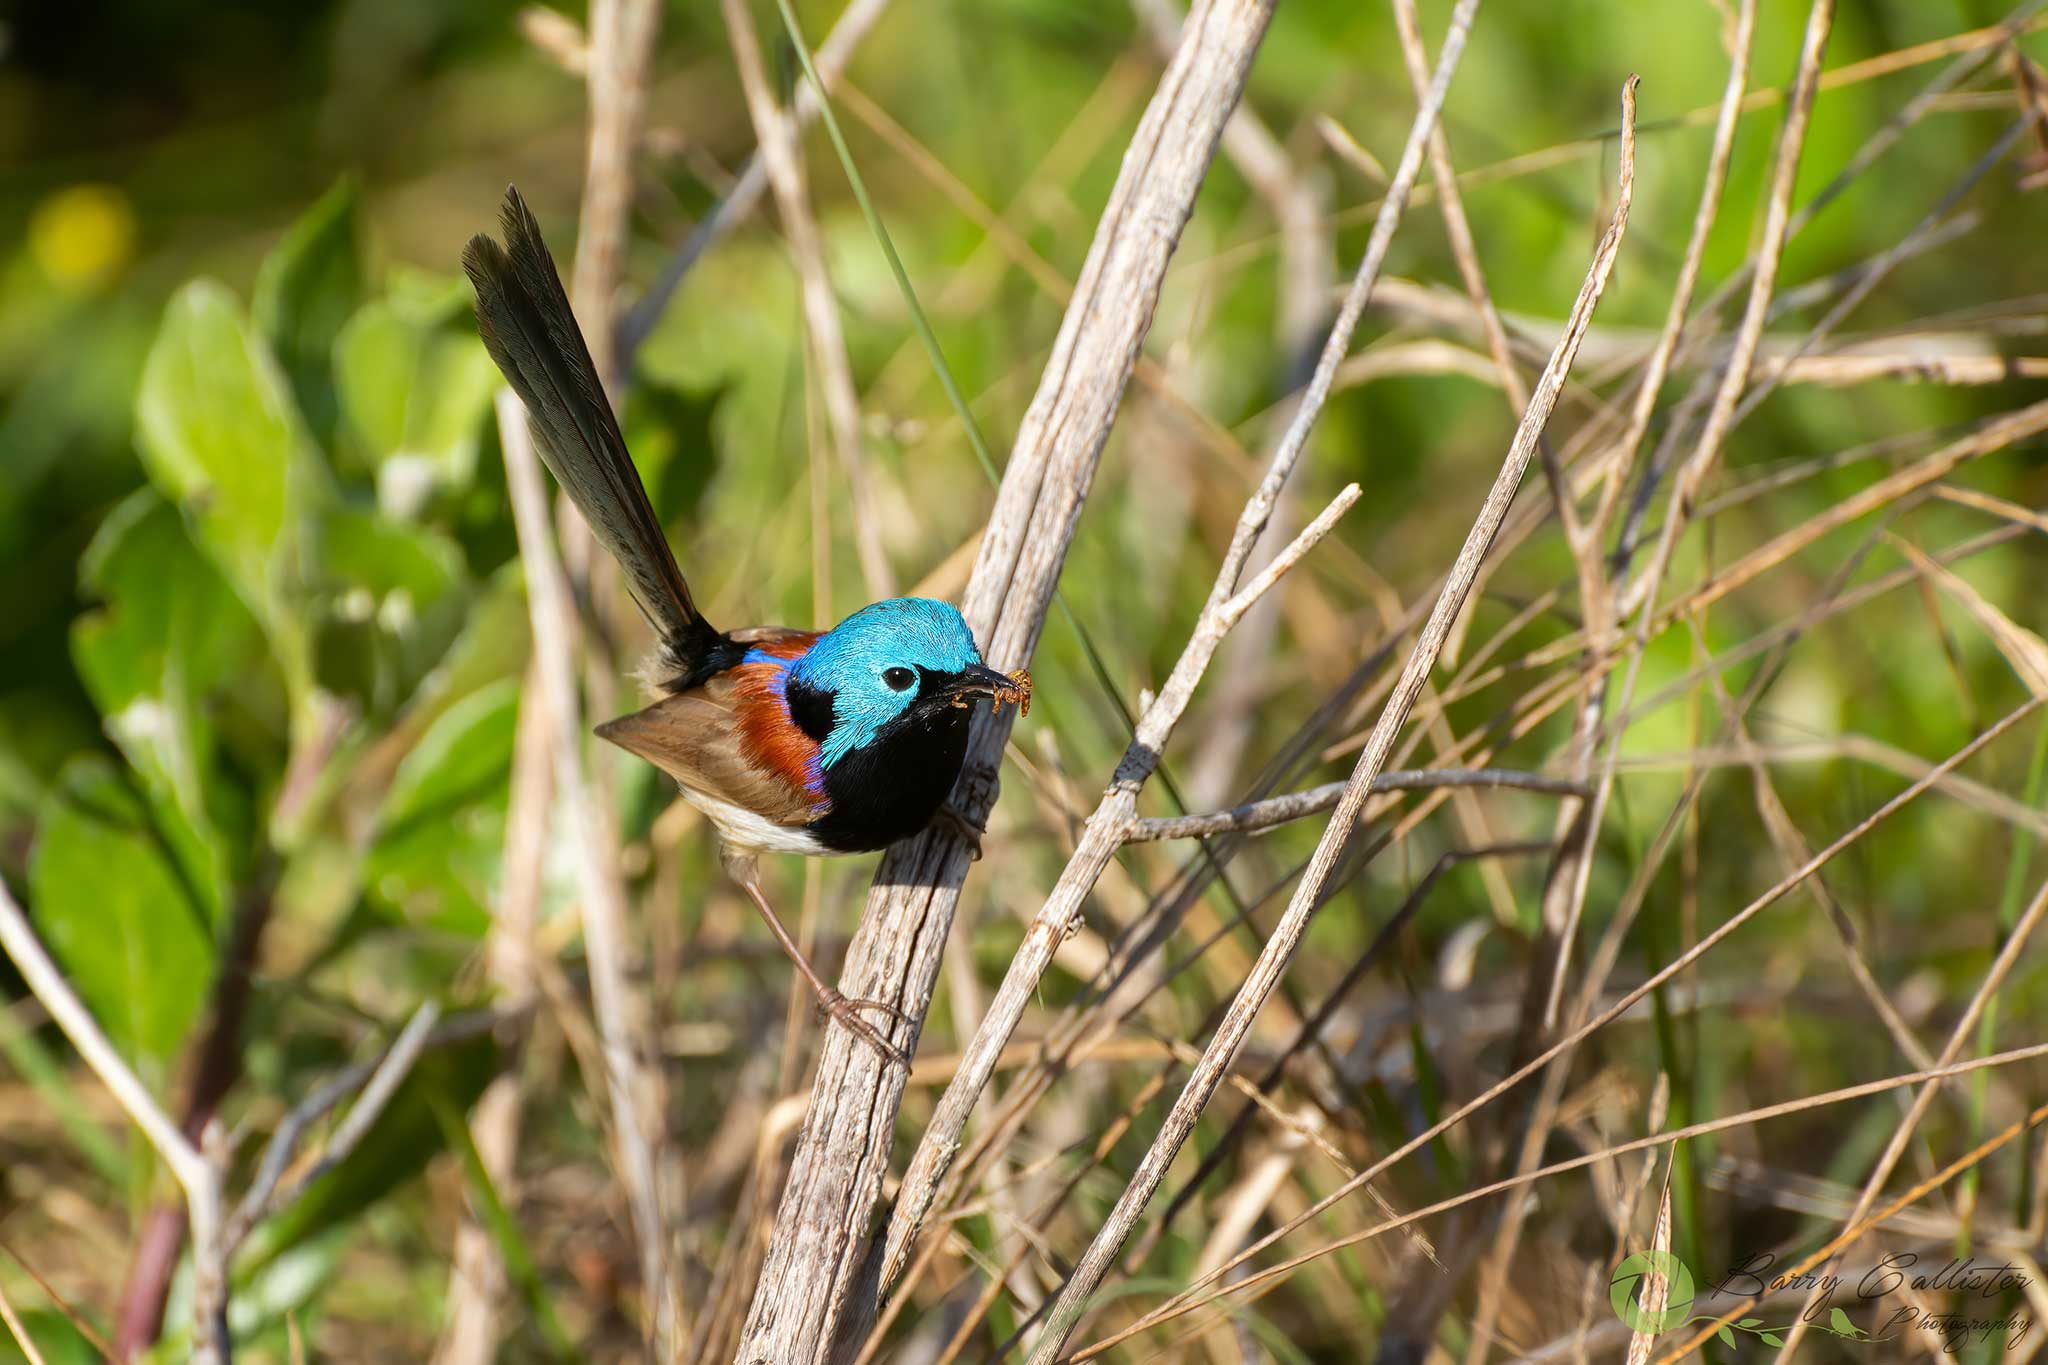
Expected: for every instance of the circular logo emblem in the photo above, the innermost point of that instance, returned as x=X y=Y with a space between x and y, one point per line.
x=1621 y=1291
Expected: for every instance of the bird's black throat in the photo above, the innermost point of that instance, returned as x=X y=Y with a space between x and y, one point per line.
x=889 y=788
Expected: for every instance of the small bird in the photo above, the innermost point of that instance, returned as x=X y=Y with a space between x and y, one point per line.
x=790 y=741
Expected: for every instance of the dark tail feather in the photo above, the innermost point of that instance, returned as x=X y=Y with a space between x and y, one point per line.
x=527 y=326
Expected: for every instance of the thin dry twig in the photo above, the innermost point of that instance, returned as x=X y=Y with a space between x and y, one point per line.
x=1578 y=823
x=1458 y=228
x=1735 y=375
x=377 y=1088
x=1306 y=265
x=1876 y=1218
x=20 y=1333
x=1279 y=810
x=1960 y=1036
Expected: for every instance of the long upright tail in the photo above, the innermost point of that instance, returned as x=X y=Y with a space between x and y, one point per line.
x=527 y=326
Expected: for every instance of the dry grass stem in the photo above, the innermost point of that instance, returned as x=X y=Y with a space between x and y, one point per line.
x=476 y=1280
x=631 y=1086
x=1183 y=1304
x=853 y=25
x=775 y=129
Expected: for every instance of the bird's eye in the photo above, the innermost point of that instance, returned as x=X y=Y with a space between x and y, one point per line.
x=898 y=678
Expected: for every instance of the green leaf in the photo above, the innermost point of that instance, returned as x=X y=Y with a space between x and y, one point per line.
x=390 y=599
x=221 y=438
x=460 y=758
x=56 y=1340
x=305 y=291
x=1727 y=1337
x=430 y=295
x=41 y=728
x=1772 y=1338
x=1751 y=1322
x=415 y=387
x=493 y=644
x=390 y=560
x=171 y=634
x=441 y=831
x=116 y=916
x=1841 y=1323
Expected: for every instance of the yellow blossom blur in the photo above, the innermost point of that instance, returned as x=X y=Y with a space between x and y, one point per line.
x=82 y=236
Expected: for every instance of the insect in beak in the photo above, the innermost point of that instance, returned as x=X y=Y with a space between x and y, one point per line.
x=1000 y=688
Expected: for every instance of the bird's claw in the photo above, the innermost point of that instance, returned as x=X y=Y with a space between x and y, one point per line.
x=962 y=828
x=847 y=1012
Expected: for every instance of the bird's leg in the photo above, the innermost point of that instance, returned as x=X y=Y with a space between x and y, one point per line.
x=847 y=1011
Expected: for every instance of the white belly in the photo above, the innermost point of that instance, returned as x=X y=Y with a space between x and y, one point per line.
x=743 y=829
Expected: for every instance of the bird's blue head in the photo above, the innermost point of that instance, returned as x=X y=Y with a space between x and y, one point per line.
x=905 y=660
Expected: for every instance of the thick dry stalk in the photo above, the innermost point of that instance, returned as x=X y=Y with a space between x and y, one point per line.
x=1105 y=830
x=622 y=36
x=1308 y=893
x=818 y=1280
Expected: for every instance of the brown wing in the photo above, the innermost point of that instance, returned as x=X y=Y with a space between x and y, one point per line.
x=731 y=736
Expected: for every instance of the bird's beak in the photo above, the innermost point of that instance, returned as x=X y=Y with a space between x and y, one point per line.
x=978 y=680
